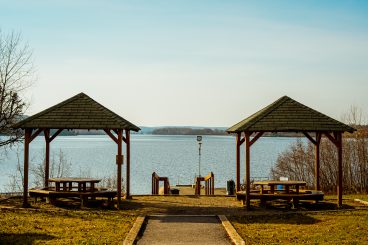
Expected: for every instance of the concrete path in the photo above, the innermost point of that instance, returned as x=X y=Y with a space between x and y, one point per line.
x=184 y=230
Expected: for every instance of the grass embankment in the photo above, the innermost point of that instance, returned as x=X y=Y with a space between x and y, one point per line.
x=68 y=227
x=341 y=227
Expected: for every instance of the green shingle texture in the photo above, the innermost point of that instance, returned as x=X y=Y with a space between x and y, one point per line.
x=78 y=112
x=288 y=115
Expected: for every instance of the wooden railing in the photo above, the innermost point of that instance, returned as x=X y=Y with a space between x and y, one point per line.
x=209 y=184
x=156 y=184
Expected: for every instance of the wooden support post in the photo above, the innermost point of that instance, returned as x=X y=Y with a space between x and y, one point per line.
x=127 y=135
x=119 y=162
x=317 y=162
x=47 y=157
x=27 y=140
x=339 y=179
x=213 y=184
x=247 y=169
x=153 y=184
x=238 y=135
x=166 y=188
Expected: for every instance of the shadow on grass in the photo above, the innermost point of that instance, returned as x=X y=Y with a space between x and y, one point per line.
x=157 y=205
x=24 y=238
x=296 y=219
x=75 y=204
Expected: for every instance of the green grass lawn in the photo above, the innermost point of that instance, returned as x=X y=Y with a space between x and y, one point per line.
x=333 y=227
x=68 y=227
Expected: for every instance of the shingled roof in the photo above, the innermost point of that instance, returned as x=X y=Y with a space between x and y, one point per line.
x=288 y=115
x=78 y=112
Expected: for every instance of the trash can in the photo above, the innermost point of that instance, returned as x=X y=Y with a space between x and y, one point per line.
x=230 y=187
x=174 y=191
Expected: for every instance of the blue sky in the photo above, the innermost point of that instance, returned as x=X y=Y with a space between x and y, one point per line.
x=195 y=62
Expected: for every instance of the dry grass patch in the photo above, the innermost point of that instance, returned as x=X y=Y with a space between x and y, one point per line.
x=331 y=227
x=363 y=197
x=68 y=227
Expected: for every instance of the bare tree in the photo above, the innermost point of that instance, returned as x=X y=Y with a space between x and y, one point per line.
x=16 y=74
x=60 y=167
x=297 y=162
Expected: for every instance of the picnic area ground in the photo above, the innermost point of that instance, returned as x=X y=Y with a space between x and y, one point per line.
x=63 y=223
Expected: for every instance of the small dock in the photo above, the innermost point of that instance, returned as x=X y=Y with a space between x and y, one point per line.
x=187 y=190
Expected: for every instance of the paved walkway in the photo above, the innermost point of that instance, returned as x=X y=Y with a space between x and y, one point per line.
x=184 y=230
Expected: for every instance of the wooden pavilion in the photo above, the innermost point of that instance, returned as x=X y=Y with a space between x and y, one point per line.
x=78 y=112
x=288 y=115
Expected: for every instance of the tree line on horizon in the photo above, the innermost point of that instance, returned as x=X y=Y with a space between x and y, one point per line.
x=188 y=131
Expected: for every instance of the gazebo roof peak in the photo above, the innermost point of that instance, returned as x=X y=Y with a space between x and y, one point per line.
x=77 y=112
x=288 y=115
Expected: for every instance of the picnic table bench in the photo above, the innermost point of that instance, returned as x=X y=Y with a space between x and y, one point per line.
x=82 y=188
x=268 y=191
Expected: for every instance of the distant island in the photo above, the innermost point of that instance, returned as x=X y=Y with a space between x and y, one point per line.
x=188 y=131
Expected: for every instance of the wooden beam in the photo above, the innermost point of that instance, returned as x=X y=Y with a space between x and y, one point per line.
x=47 y=157
x=55 y=134
x=255 y=138
x=317 y=161
x=27 y=140
x=331 y=138
x=108 y=132
x=238 y=143
x=127 y=133
x=124 y=139
x=247 y=169
x=310 y=138
x=339 y=179
x=35 y=134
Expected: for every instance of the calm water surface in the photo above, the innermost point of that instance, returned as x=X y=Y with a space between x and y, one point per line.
x=173 y=156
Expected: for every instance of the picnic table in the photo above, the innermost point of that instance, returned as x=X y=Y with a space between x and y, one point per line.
x=82 y=188
x=269 y=192
x=286 y=184
x=75 y=184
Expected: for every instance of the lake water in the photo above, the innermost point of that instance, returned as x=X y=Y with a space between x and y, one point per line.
x=173 y=156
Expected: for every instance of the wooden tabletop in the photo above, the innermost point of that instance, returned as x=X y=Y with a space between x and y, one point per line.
x=279 y=182
x=78 y=180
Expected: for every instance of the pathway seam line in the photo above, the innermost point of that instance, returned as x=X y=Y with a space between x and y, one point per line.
x=230 y=230
x=133 y=233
